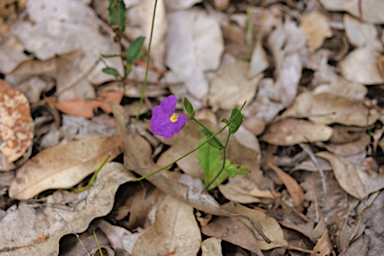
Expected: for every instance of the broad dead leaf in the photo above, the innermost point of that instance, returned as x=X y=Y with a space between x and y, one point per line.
x=23 y=227
x=16 y=124
x=232 y=87
x=41 y=38
x=324 y=246
x=11 y=54
x=361 y=66
x=268 y=225
x=194 y=45
x=360 y=34
x=175 y=230
x=63 y=166
x=371 y=10
x=232 y=230
x=353 y=178
x=351 y=90
x=316 y=26
x=327 y=108
x=358 y=247
x=288 y=132
x=259 y=60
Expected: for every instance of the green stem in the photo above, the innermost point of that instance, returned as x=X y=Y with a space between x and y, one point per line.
x=202 y=125
x=147 y=67
x=223 y=166
x=229 y=122
x=97 y=242
x=93 y=177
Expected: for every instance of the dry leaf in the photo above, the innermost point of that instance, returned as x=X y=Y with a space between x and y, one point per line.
x=360 y=65
x=371 y=10
x=231 y=87
x=41 y=38
x=176 y=5
x=11 y=54
x=354 y=179
x=288 y=132
x=22 y=227
x=175 y=230
x=114 y=234
x=351 y=90
x=63 y=166
x=268 y=225
x=194 y=45
x=232 y=230
x=316 y=26
x=259 y=60
x=324 y=246
x=292 y=186
x=211 y=247
x=358 y=247
x=16 y=124
x=360 y=34
x=326 y=108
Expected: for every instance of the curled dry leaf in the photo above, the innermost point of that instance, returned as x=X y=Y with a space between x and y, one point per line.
x=259 y=60
x=175 y=230
x=350 y=90
x=24 y=226
x=292 y=186
x=360 y=65
x=316 y=26
x=16 y=124
x=288 y=132
x=324 y=246
x=327 y=108
x=63 y=166
x=232 y=87
x=354 y=179
x=232 y=230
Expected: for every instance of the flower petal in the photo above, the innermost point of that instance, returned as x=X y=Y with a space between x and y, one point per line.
x=169 y=104
x=181 y=120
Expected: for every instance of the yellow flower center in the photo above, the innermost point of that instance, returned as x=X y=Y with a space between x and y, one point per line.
x=173 y=118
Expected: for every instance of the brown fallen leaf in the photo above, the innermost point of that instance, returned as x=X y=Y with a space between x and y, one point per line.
x=16 y=124
x=327 y=108
x=360 y=65
x=175 y=229
x=114 y=234
x=268 y=225
x=358 y=247
x=288 y=132
x=211 y=247
x=84 y=108
x=232 y=87
x=63 y=166
x=292 y=186
x=354 y=179
x=324 y=246
x=316 y=26
x=232 y=230
x=25 y=225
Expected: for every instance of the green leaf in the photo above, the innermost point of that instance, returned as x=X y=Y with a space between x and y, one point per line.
x=234 y=169
x=214 y=142
x=236 y=123
x=134 y=51
x=117 y=15
x=211 y=162
x=188 y=109
x=111 y=71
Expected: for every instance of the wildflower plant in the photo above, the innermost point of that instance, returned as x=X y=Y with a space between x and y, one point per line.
x=212 y=152
x=166 y=123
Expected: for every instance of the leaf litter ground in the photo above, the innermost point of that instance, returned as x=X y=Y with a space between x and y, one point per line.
x=311 y=73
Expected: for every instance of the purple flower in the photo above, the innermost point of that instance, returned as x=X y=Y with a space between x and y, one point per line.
x=164 y=122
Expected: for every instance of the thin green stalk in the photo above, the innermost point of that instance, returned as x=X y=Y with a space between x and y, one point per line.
x=93 y=177
x=202 y=125
x=223 y=166
x=249 y=31
x=159 y=170
x=97 y=242
x=147 y=66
